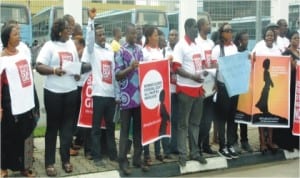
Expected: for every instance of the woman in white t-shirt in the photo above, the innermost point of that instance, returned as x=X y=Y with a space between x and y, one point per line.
x=60 y=93
x=16 y=116
x=266 y=47
x=151 y=51
x=226 y=106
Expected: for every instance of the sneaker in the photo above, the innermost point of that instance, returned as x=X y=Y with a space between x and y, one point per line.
x=232 y=152
x=182 y=161
x=224 y=153
x=246 y=146
x=200 y=159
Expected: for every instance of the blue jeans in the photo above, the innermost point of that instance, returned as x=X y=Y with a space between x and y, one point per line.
x=190 y=114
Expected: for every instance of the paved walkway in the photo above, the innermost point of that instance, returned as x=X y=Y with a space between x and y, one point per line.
x=86 y=168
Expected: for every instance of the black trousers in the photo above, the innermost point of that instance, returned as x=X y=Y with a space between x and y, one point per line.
x=14 y=131
x=226 y=108
x=205 y=124
x=126 y=115
x=60 y=110
x=103 y=108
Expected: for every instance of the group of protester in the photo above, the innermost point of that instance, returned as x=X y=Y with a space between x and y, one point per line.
x=115 y=82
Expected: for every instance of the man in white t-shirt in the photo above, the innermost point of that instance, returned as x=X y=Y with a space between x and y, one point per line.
x=188 y=66
x=206 y=45
x=101 y=57
x=282 y=41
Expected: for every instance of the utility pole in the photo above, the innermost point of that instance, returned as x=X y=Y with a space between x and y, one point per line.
x=258 y=25
x=187 y=9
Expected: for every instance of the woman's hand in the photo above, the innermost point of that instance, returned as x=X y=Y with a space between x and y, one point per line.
x=59 y=72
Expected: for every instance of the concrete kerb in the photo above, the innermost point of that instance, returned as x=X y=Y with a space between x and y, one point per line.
x=213 y=163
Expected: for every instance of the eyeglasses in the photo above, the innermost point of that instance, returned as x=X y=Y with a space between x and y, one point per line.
x=227 y=30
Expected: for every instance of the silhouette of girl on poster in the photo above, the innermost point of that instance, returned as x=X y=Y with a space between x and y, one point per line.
x=262 y=103
x=165 y=116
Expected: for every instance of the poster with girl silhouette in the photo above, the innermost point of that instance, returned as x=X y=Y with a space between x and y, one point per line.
x=267 y=102
x=155 y=100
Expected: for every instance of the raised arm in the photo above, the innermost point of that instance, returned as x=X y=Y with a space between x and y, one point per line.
x=90 y=31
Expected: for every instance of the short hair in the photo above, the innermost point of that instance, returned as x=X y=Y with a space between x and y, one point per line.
x=58 y=26
x=149 y=31
x=128 y=26
x=200 y=22
x=68 y=17
x=77 y=29
x=265 y=33
x=291 y=34
x=238 y=37
x=5 y=34
x=80 y=39
x=280 y=21
x=189 y=23
x=116 y=30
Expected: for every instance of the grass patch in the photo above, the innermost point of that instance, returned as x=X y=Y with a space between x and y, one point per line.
x=39 y=131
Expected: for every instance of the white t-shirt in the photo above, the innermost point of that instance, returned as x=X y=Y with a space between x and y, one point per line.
x=189 y=56
x=282 y=43
x=173 y=77
x=261 y=49
x=228 y=50
x=152 y=53
x=19 y=76
x=102 y=62
x=25 y=49
x=53 y=54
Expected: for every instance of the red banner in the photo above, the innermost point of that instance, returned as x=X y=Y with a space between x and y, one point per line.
x=86 y=108
x=155 y=100
x=296 y=124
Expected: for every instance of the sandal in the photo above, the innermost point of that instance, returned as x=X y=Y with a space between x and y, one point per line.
x=50 y=171
x=67 y=167
x=4 y=173
x=27 y=173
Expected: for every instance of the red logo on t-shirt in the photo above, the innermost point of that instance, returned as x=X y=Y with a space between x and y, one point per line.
x=24 y=73
x=197 y=62
x=106 y=69
x=65 y=56
x=208 y=60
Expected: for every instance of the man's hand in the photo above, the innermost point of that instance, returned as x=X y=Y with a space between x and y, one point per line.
x=92 y=13
x=134 y=64
x=197 y=78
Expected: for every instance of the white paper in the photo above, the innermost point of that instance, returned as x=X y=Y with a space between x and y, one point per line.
x=71 y=68
x=209 y=84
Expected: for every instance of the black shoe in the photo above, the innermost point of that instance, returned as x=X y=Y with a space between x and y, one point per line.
x=168 y=156
x=144 y=167
x=232 y=152
x=246 y=147
x=224 y=153
x=208 y=150
x=200 y=159
x=182 y=161
x=159 y=158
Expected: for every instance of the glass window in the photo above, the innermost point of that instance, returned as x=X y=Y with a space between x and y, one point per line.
x=17 y=13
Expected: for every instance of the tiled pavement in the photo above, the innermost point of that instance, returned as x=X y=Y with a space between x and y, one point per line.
x=86 y=168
